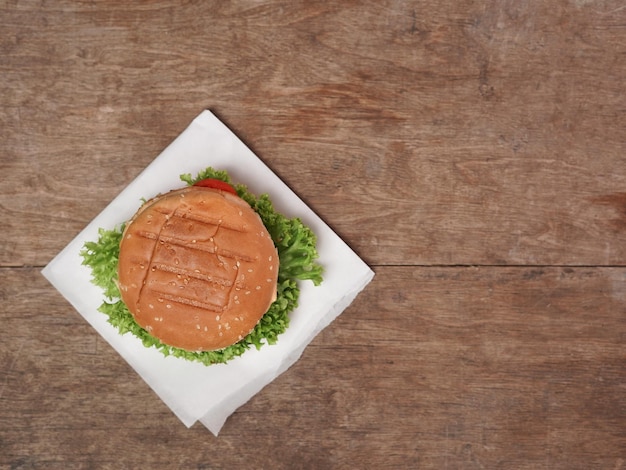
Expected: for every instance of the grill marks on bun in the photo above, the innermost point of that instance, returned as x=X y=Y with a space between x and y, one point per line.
x=197 y=268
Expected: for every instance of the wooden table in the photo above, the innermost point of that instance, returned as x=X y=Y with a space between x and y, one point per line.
x=473 y=153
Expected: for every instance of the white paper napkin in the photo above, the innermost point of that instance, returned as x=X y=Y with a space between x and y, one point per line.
x=195 y=392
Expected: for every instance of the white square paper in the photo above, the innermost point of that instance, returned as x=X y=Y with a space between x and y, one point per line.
x=195 y=392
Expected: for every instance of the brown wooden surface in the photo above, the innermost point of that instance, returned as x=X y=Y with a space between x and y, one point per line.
x=473 y=153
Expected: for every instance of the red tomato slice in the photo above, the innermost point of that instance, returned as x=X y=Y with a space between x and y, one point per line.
x=216 y=184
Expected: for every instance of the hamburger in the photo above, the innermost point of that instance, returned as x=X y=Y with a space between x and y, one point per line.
x=204 y=271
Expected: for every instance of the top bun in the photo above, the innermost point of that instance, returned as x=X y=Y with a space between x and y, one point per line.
x=197 y=268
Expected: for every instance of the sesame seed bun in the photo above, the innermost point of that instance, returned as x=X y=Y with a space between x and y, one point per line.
x=197 y=268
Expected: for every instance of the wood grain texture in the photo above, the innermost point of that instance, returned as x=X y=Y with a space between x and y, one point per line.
x=429 y=368
x=482 y=132
x=472 y=152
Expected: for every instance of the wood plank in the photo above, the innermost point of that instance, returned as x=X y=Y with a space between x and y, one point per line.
x=429 y=368
x=423 y=132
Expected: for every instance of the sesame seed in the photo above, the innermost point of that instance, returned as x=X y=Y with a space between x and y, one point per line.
x=150 y=305
x=217 y=317
x=197 y=327
x=168 y=306
x=220 y=333
x=160 y=299
x=270 y=258
x=258 y=287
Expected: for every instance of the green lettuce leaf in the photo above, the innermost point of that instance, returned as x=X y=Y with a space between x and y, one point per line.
x=296 y=245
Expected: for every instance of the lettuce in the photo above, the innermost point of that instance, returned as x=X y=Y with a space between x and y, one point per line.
x=296 y=245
